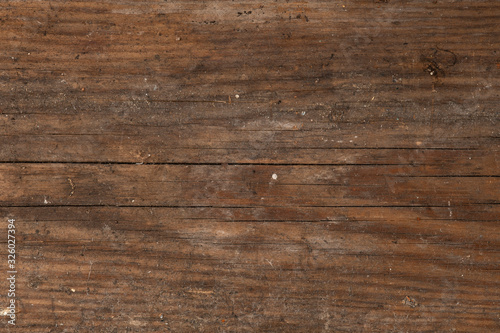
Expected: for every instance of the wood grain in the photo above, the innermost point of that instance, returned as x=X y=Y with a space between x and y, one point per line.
x=251 y=166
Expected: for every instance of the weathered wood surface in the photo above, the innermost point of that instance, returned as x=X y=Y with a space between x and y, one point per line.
x=231 y=166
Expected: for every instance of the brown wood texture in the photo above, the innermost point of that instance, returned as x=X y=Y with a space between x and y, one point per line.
x=251 y=166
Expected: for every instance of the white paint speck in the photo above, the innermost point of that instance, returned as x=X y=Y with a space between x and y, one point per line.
x=275 y=176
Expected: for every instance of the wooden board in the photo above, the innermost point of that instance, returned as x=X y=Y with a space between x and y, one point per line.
x=251 y=166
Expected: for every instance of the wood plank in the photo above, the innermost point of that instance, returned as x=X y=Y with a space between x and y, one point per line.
x=239 y=185
x=201 y=269
x=122 y=72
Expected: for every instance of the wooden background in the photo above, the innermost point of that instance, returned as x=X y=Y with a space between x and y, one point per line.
x=251 y=166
